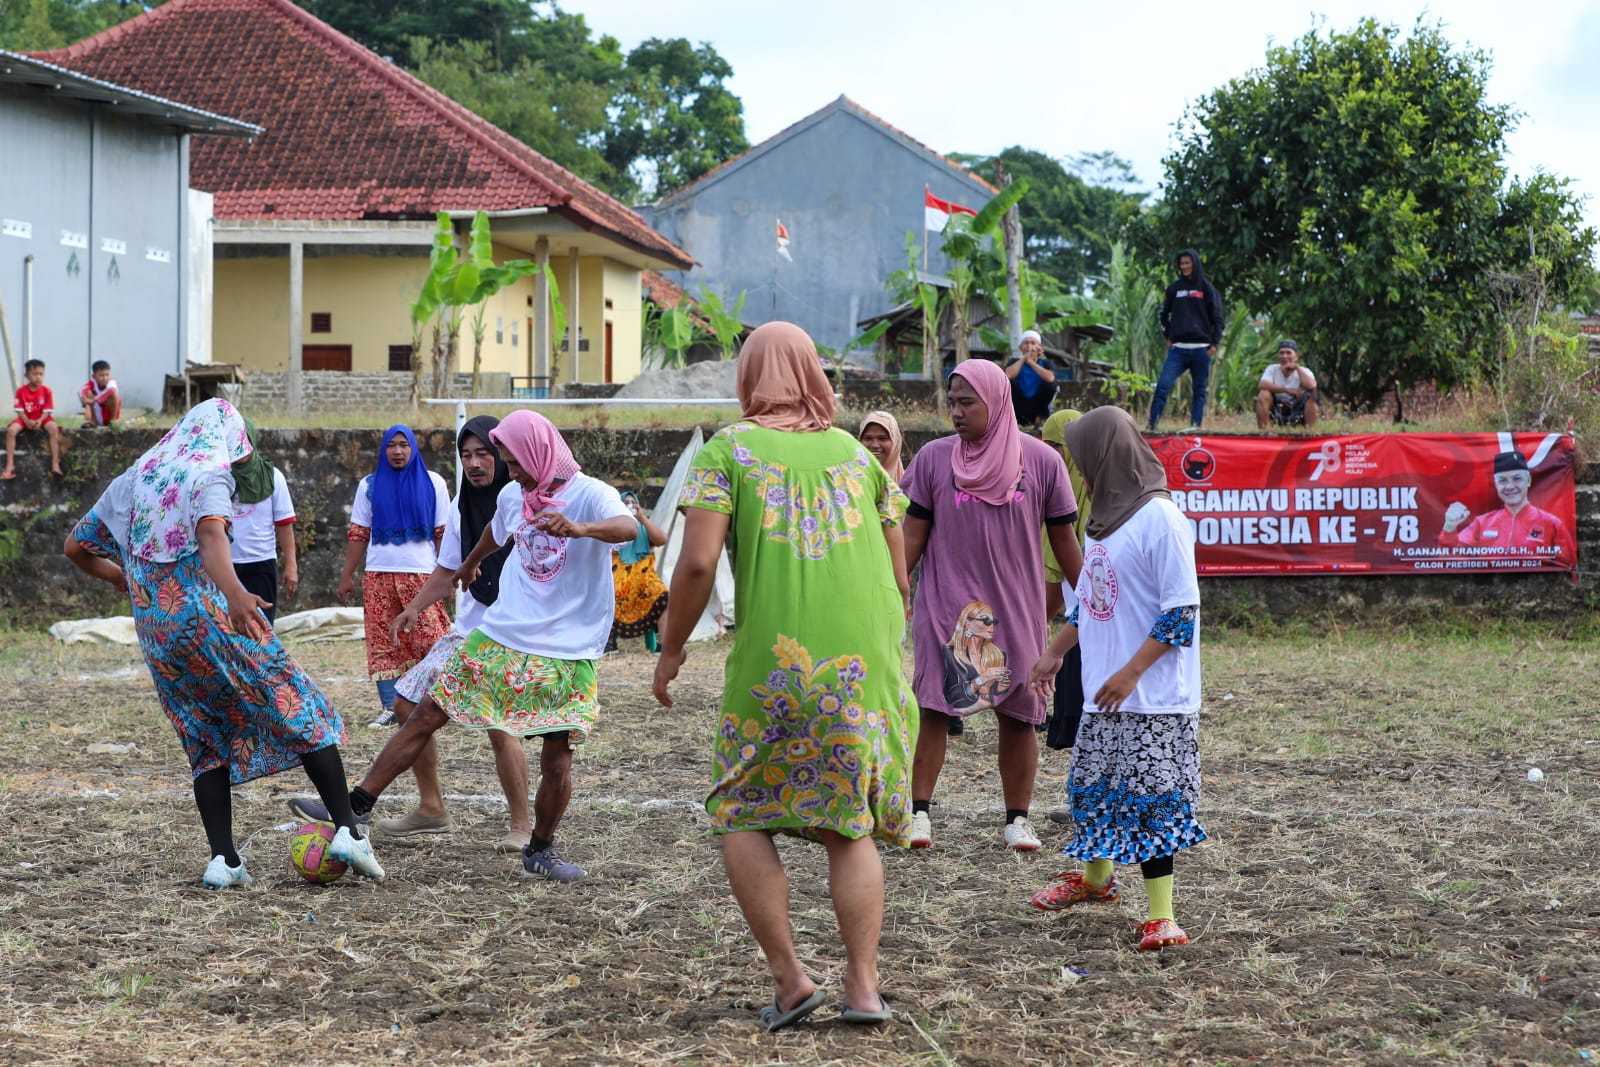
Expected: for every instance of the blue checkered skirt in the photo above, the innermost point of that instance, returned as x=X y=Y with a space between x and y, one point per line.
x=1134 y=786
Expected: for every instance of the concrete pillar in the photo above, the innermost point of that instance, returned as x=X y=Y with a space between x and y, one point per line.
x=573 y=307
x=539 y=363
x=291 y=381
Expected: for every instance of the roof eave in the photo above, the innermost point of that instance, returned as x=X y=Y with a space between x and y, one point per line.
x=24 y=70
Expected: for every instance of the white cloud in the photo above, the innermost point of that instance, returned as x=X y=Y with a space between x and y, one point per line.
x=1066 y=78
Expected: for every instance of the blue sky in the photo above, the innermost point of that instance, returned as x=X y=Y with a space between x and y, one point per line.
x=1068 y=77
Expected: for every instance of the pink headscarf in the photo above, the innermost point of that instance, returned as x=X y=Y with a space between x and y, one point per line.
x=990 y=467
x=780 y=381
x=538 y=448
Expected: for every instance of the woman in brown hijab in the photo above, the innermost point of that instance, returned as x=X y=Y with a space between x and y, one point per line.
x=1135 y=777
x=814 y=736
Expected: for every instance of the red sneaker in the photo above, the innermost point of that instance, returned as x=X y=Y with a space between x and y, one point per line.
x=1071 y=888
x=1159 y=934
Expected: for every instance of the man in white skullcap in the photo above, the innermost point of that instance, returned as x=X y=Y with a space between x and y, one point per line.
x=1033 y=380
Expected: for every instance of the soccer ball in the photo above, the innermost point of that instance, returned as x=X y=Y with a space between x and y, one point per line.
x=308 y=854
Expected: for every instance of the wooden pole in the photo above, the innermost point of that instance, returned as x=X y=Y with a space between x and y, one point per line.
x=540 y=358
x=574 y=308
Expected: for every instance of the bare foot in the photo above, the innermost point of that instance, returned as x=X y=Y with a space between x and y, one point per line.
x=56 y=472
x=7 y=475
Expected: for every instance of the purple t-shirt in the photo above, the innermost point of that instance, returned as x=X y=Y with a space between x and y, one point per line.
x=978 y=624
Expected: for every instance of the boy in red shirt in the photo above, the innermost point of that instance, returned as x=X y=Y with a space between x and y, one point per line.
x=100 y=397
x=35 y=403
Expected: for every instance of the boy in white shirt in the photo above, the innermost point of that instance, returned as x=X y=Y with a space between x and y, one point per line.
x=263 y=528
x=528 y=669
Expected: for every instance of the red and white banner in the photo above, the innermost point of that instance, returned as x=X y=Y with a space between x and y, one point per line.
x=1401 y=503
x=936 y=213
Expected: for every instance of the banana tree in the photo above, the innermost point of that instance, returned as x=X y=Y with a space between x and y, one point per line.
x=430 y=299
x=725 y=322
x=908 y=286
x=670 y=331
x=837 y=356
x=484 y=279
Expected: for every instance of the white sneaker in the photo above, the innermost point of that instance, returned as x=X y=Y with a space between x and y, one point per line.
x=921 y=830
x=220 y=876
x=357 y=854
x=1020 y=837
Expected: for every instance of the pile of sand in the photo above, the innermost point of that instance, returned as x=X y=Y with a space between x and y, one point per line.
x=710 y=381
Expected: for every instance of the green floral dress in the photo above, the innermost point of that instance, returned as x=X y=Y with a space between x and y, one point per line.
x=818 y=723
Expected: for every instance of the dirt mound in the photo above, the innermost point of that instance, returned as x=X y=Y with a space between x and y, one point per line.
x=709 y=380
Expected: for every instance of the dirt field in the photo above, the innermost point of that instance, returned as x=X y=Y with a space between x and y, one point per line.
x=1382 y=884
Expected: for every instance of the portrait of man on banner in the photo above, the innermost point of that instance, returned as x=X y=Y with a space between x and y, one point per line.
x=1518 y=527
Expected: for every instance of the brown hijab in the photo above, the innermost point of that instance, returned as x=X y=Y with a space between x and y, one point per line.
x=780 y=381
x=1123 y=473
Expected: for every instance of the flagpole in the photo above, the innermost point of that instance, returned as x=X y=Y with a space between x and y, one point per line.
x=925 y=191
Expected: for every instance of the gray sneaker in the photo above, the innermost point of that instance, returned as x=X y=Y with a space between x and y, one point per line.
x=313 y=810
x=386 y=718
x=547 y=863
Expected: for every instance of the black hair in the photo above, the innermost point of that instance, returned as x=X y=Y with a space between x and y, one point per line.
x=98 y=366
x=32 y=363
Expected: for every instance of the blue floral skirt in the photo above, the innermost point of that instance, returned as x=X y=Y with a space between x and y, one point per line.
x=235 y=702
x=1134 y=786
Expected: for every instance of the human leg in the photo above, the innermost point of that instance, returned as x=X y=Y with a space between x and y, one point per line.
x=325 y=768
x=400 y=753
x=555 y=789
x=1160 y=930
x=11 y=449
x=1264 y=400
x=511 y=767
x=1313 y=411
x=1200 y=379
x=932 y=740
x=430 y=801
x=213 y=795
x=53 y=432
x=1019 y=761
x=855 y=881
x=761 y=887
x=1171 y=370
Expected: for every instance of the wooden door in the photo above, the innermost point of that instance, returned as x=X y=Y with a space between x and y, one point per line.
x=607 y=378
x=325 y=357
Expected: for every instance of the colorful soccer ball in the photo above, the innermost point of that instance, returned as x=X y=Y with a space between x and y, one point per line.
x=308 y=854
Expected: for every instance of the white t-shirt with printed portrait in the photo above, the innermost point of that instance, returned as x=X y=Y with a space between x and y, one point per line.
x=1146 y=567
x=255 y=534
x=413 y=557
x=556 y=597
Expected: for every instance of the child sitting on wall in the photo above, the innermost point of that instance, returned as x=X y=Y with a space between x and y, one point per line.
x=35 y=411
x=100 y=397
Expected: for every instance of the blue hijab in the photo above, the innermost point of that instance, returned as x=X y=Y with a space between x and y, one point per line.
x=403 y=501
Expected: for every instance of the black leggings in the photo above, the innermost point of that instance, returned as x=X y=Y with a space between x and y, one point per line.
x=213 y=795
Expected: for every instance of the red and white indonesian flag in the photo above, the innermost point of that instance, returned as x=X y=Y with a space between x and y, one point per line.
x=783 y=241
x=936 y=213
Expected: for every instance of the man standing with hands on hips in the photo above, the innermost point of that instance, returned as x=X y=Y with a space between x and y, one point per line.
x=1191 y=322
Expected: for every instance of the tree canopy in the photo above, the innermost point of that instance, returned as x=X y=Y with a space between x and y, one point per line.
x=1073 y=211
x=1354 y=186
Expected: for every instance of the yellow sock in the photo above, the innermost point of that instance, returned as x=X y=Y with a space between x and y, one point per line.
x=1097 y=873
x=1159 y=890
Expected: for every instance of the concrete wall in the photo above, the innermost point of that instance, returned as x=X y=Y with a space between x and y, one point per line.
x=357 y=391
x=38 y=586
x=80 y=177
x=369 y=298
x=847 y=190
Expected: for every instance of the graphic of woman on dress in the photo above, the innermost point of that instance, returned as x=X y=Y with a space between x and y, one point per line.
x=975 y=672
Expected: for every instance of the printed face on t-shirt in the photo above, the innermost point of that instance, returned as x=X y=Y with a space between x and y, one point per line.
x=1102 y=599
x=1513 y=487
x=542 y=554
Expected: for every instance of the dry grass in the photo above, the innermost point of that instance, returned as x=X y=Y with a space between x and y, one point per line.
x=1382 y=885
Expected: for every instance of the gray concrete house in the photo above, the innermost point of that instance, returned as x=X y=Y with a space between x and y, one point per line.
x=104 y=249
x=847 y=186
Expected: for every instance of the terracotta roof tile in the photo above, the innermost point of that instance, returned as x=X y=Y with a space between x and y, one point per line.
x=349 y=135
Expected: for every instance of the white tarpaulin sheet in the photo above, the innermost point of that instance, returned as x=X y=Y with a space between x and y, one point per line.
x=718 y=617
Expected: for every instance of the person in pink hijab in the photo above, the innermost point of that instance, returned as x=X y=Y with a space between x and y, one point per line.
x=528 y=670
x=979 y=499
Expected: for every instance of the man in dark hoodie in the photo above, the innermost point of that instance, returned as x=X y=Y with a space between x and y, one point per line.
x=1191 y=322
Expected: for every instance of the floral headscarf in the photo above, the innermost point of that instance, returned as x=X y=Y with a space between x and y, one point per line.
x=171 y=479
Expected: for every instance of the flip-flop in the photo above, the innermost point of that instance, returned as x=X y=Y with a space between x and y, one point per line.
x=850 y=1015
x=774 y=1018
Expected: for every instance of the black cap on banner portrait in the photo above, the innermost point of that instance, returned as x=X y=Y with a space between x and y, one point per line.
x=1509 y=461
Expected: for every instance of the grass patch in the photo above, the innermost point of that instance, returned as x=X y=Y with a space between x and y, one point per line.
x=1381 y=884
